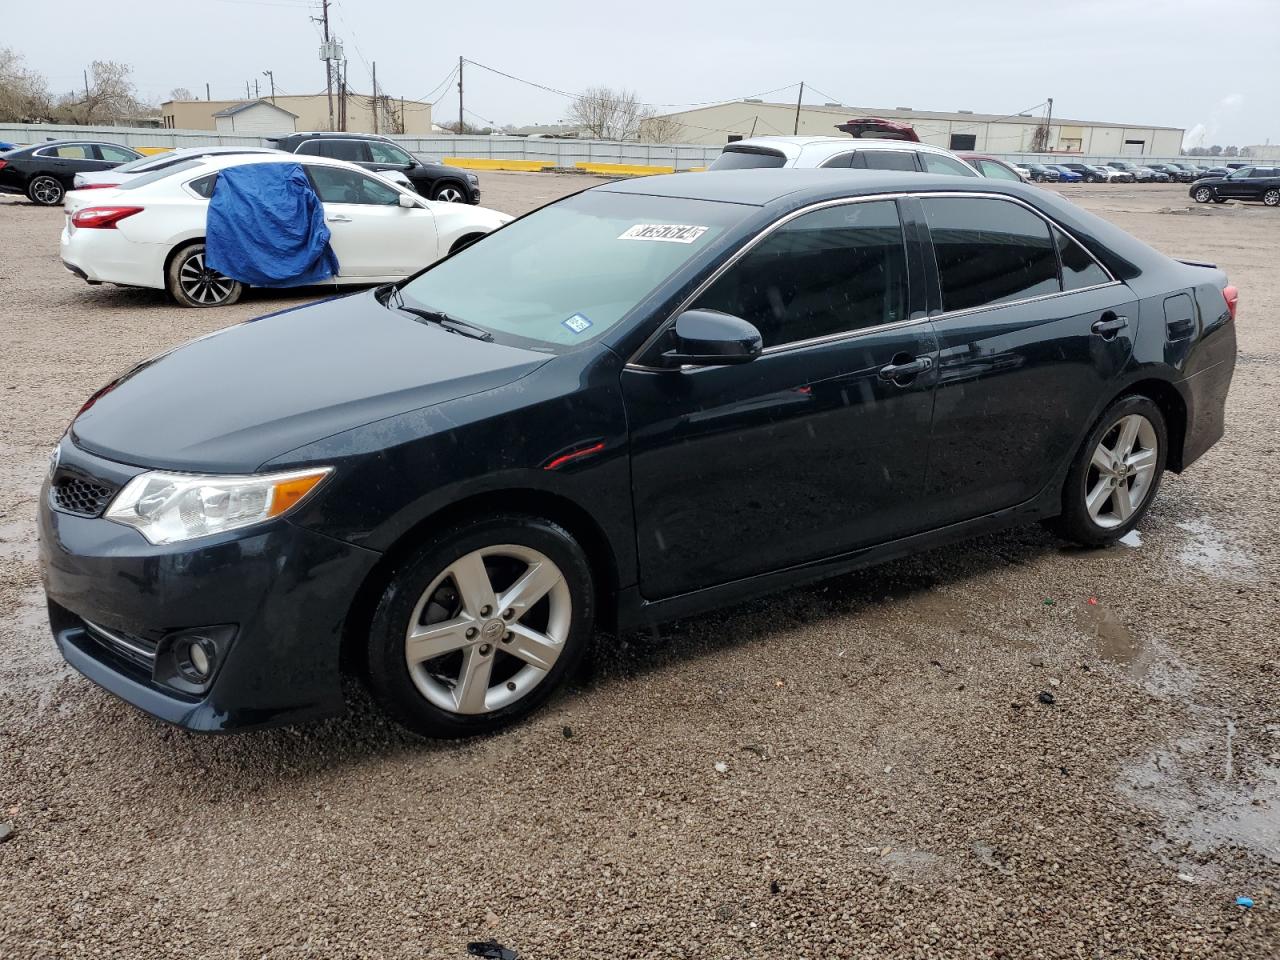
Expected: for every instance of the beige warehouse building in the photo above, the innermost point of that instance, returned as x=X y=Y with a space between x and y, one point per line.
x=962 y=130
x=309 y=112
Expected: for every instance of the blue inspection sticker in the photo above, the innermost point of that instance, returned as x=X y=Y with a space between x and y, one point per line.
x=577 y=323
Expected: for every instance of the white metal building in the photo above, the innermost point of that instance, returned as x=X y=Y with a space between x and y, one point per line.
x=255 y=117
x=962 y=130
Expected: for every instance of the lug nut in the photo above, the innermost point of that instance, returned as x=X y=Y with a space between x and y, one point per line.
x=506 y=637
x=511 y=684
x=486 y=610
x=471 y=633
x=508 y=614
x=484 y=649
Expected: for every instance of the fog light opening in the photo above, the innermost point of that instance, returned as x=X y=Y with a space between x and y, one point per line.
x=196 y=658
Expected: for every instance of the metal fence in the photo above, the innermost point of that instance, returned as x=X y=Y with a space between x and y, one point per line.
x=561 y=153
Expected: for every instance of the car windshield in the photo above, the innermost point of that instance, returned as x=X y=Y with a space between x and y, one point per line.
x=751 y=159
x=569 y=272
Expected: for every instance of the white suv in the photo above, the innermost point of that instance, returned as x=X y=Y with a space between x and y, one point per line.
x=840 y=152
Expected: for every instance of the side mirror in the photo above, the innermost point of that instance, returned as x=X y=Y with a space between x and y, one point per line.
x=408 y=202
x=710 y=338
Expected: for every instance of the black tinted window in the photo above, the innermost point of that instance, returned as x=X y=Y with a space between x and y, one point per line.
x=310 y=148
x=840 y=162
x=826 y=272
x=1078 y=268
x=352 y=150
x=747 y=160
x=204 y=186
x=990 y=251
x=887 y=160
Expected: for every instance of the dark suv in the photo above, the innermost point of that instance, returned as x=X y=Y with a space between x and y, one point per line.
x=433 y=180
x=46 y=171
x=1247 y=183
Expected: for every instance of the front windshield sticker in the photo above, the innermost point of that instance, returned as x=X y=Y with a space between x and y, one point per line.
x=663 y=232
x=577 y=323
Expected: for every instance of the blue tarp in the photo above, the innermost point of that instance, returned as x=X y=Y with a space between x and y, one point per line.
x=266 y=227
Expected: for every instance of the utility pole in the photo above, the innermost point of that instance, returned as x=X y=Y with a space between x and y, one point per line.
x=342 y=98
x=271 y=78
x=1048 y=122
x=246 y=89
x=796 y=128
x=256 y=94
x=461 y=125
x=207 y=97
x=86 y=86
x=375 y=96
x=328 y=63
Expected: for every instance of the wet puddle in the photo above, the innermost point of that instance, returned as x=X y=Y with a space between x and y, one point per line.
x=1209 y=550
x=1114 y=641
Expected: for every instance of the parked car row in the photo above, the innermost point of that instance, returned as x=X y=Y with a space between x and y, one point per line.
x=45 y=172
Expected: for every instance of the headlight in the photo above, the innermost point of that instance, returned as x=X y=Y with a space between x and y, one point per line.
x=473 y=178
x=171 y=507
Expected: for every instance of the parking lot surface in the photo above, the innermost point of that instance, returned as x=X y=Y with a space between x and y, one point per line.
x=865 y=768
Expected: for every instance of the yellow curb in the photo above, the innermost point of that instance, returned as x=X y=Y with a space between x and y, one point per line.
x=622 y=169
x=472 y=163
x=152 y=150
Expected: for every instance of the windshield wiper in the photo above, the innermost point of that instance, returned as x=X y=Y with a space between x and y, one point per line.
x=390 y=296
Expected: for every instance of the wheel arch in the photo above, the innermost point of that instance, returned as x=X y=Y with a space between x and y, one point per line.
x=175 y=250
x=537 y=503
x=1174 y=407
x=465 y=241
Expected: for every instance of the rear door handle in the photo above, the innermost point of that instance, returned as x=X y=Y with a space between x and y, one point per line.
x=1109 y=326
x=904 y=371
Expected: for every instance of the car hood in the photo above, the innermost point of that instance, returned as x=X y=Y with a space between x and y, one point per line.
x=231 y=401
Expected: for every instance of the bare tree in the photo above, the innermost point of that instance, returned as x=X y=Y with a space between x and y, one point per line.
x=608 y=114
x=110 y=95
x=1230 y=151
x=660 y=129
x=180 y=93
x=23 y=92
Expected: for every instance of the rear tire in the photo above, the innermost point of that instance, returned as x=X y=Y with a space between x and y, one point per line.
x=455 y=648
x=1115 y=474
x=1271 y=198
x=45 y=190
x=192 y=284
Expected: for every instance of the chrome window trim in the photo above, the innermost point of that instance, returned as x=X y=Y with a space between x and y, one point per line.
x=634 y=364
x=74 y=143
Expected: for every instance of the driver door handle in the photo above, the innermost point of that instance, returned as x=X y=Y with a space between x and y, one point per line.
x=903 y=371
x=338 y=218
x=1109 y=325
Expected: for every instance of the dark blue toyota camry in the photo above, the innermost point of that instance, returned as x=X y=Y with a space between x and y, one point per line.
x=643 y=401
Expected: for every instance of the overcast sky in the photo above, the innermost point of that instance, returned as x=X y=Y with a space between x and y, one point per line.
x=1157 y=62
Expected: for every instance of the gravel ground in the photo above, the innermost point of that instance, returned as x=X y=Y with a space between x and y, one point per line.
x=861 y=769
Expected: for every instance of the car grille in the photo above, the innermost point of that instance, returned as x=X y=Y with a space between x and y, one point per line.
x=78 y=495
x=136 y=650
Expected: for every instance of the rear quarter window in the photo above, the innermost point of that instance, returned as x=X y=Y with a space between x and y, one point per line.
x=748 y=160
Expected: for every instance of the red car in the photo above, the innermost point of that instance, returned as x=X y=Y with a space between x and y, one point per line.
x=873 y=127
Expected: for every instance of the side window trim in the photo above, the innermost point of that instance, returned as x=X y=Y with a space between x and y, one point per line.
x=635 y=361
x=1052 y=224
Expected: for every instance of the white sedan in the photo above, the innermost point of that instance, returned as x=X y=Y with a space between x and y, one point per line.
x=149 y=232
x=100 y=179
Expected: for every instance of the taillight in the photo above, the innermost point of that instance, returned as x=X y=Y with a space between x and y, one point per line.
x=102 y=218
x=98 y=186
x=3 y=164
x=1232 y=296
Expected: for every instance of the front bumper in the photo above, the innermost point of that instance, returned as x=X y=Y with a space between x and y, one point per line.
x=283 y=592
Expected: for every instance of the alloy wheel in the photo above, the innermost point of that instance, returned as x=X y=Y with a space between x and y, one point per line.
x=46 y=190
x=449 y=195
x=203 y=285
x=1203 y=195
x=1271 y=198
x=1121 y=471
x=488 y=629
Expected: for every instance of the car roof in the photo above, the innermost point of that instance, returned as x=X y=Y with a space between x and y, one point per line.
x=791 y=147
x=224 y=160
x=337 y=134
x=798 y=185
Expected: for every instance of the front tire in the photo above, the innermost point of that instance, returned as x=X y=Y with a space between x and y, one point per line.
x=1271 y=198
x=192 y=284
x=1115 y=475
x=1202 y=195
x=481 y=625
x=449 y=193
x=45 y=190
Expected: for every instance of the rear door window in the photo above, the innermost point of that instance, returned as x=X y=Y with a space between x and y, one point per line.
x=886 y=160
x=937 y=163
x=840 y=162
x=748 y=160
x=354 y=151
x=989 y=252
x=827 y=272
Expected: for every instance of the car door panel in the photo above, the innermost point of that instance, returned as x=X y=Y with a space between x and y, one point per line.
x=810 y=450
x=371 y=234
x=1018 y=381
